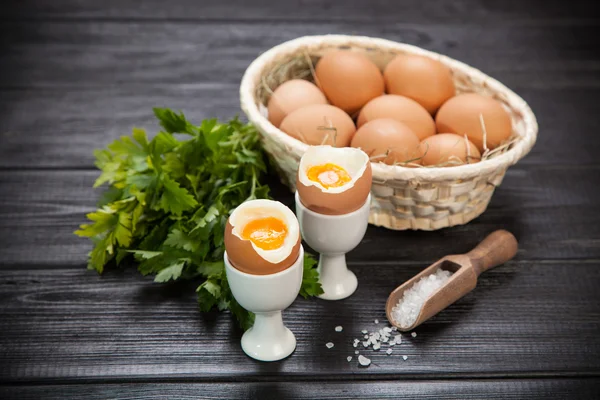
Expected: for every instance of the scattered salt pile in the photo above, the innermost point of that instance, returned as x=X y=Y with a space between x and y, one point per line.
x=407 y=310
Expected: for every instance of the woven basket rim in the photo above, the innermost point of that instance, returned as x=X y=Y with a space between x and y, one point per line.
x=383 y=172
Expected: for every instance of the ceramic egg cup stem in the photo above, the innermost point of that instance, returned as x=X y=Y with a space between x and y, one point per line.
x=337 y=280
x=333 y=236
x=266 y=296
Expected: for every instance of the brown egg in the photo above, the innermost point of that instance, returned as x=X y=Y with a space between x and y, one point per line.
x=461 y=115
x=448 y=148
x=348 y=79
x=344 y=193
x=402 y=109
x=290 y=96
x=389 y=141
x=319 y=124
x=427 y=81
x=244 y=255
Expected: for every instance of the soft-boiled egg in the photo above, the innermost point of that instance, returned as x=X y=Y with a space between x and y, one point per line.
x=334 y=181
x=262 y=237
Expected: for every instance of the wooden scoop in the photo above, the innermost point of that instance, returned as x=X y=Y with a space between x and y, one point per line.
x=497 y=248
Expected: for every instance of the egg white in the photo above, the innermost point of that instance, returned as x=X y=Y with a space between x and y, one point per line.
x=256 y=209
x=353 y=160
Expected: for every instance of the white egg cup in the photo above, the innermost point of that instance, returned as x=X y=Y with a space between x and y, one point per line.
x=266 y=296
x=333 y=236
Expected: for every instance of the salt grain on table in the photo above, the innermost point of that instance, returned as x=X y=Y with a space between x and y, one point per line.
x=407 y=310
x=364 y=331
x=376 y=346
x=376 y=321
x=398 y=339
x=364 y=361
x=366 y=336
x=339 y=329
x=329 y=345
x=414 y=334
x=405 y=358
x=388 y=352
x=349 y=358
x=356 y=352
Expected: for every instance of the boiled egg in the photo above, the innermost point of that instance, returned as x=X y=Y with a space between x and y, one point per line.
x=262 y=237
x=292 y=95
x=334 y=181
x=469 y=113
x=425 y=80
x=402 y=109
x=319 y=124
x=349 y=79
x=448 y=149
x=389 y=141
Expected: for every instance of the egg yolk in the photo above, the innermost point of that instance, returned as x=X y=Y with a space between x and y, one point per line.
x=266 y=233
x=328 y=175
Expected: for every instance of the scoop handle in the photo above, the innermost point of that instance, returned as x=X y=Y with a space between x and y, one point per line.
x=497 y=248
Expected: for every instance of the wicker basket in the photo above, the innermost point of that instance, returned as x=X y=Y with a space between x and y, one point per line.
x=403 y=198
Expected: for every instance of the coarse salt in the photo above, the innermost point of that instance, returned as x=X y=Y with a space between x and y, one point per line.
x=414 y=334
x=398 y=339
x=405 y=358
x=349 y=358
x=376 y=346
x=356 y=352
x=406 y=312
x=389 y=351
x=376 y=321
x=364 y=361
x=339 y=328
x=364 y=331
x=329 y=345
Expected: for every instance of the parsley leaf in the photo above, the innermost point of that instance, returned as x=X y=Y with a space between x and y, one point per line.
x=168 y=201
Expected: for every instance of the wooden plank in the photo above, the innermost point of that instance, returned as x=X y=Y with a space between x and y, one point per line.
x=554 y=213
x=525 y=319
x=521 y=389
x=412 y=11
x=50 y=127
x=95 y=54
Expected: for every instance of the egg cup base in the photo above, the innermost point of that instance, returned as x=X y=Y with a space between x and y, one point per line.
x=268 y=339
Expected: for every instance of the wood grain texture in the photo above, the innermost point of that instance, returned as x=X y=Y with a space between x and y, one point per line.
x=524 y=319
x=91 y=53
x=70 y=123
x=415 y=11
x=521 y=389
x=554 y=213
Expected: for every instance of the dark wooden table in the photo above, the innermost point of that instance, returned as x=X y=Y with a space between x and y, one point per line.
x=75 y=75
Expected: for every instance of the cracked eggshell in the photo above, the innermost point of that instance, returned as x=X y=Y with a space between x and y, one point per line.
x=336 y=200
x=244 y=255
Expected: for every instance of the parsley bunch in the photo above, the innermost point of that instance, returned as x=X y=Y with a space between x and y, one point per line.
x=169 y=199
